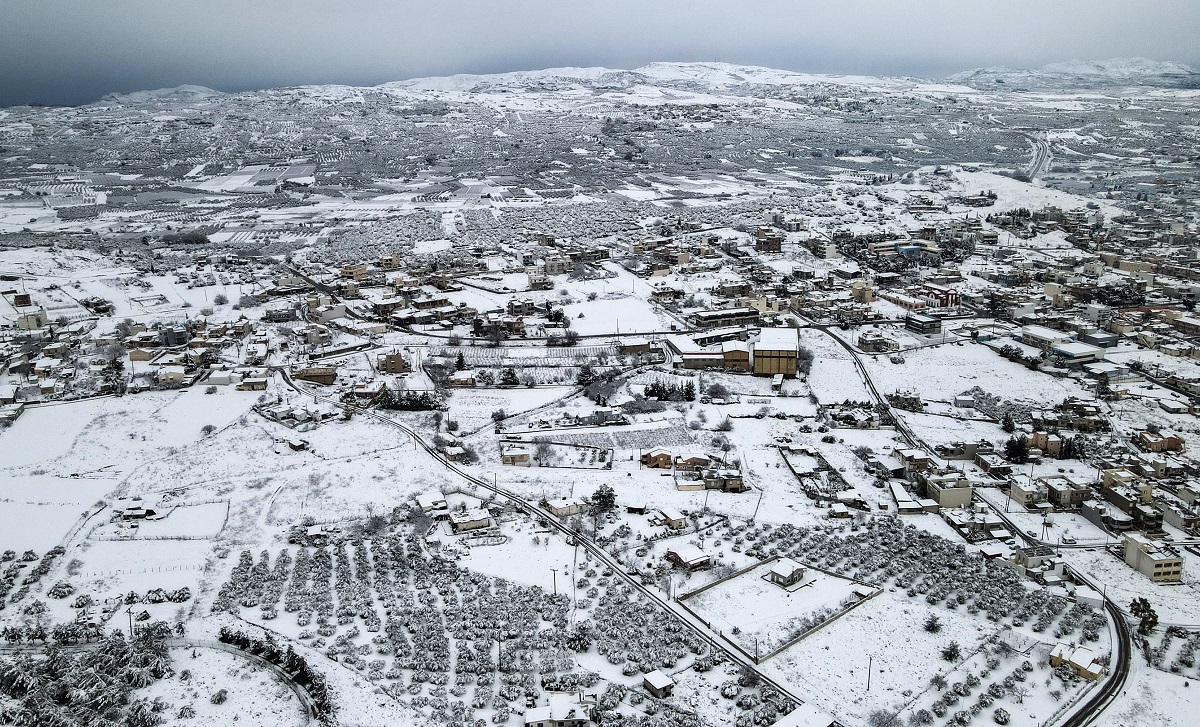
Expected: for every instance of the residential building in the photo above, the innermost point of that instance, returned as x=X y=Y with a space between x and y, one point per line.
x=463 y=521
x=1027 y=493
x=393 y=363
x=949 y=489
x=564 y=507
x=722 y=317
x=1161 y=565
x=1079 y=659
x=658 y=458
x=673 y=519
x=433 y=503
x=688 y=556
x=563 y=709
x=1043 y=338
x=514 y=455
x=1158 y=442
x=1066 y=494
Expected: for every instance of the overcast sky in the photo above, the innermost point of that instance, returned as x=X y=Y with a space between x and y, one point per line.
x=74 y=51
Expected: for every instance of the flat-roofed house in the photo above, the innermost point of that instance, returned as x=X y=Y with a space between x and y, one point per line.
x=433 y=503
x=467 y=520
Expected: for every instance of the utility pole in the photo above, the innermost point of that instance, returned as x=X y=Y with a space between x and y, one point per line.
x=129 y=611
x=760 y=497
x=555 y=577
x=574 y=579
x=870 y=660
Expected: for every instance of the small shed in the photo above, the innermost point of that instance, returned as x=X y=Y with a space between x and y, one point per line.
x=786 y=572
x=658 y=683
x=672 y=519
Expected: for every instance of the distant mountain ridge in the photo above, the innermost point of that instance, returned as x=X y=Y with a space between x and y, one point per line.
x=715 y=77
x=186 y=92
x=1111 y=73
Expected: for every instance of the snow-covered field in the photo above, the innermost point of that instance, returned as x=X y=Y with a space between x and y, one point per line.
x=253 y=693
x=762 y=616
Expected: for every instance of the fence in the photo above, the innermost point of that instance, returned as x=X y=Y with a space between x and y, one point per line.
x=135 y=571
x=794 y=640
x=155 y=537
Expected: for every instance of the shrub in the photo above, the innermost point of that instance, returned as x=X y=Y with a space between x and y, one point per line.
x=952 y=651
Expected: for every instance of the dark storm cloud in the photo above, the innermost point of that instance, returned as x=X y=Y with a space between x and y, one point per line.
x=75 y=51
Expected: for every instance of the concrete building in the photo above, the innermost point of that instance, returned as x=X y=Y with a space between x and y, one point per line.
x=1027 y=493
x=949 y=489
x=923 y=324
x=467 y=520
x=1161 y=565
x=775 y=352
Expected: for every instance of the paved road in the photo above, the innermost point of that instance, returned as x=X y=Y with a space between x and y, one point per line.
x=1115 y=683
x=1041 y=156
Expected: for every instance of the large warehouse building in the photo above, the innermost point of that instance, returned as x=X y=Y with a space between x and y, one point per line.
x=775 y=352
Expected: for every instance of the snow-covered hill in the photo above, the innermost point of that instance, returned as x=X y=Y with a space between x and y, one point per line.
x=701 y=82
x=684 y=76
x=182 y=93
x=1111 y=73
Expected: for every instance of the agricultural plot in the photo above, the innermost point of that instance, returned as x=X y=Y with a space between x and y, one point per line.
x=1174 y=649
x=525 y=355
x=37 y=526
x=836 y=379
x=455 y=643
x=671 y=433
x=970 y=662
x=251 y=692
x=185 y=522
x=473 y=408
x=556 y=454
x=761 y=616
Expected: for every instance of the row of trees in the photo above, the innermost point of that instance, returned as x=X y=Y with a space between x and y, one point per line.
x=294 y=665
x=667 y=391
x=407 y=400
